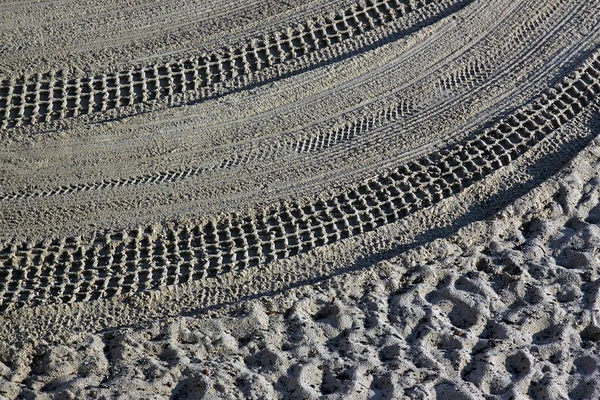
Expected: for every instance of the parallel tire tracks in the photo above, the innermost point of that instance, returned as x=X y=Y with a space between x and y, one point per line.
x=472 y=74
x=76 y=269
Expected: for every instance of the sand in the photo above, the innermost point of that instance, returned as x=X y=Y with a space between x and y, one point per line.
x=269 y=199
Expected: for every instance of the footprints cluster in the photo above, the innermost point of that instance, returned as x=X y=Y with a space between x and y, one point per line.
x=490 y=320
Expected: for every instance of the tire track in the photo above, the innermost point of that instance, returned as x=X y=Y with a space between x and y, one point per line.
x=74 y=269
x=51 y=97
x=311 y=144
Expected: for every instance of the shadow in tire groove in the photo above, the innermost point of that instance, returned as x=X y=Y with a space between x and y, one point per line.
x=544 y=168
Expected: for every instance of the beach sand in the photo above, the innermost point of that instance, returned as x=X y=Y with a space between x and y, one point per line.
x=405 y=206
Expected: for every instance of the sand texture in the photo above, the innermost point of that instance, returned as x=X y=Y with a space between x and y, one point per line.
x=380 y=199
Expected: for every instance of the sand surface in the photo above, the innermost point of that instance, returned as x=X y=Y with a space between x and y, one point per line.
x=283 y=199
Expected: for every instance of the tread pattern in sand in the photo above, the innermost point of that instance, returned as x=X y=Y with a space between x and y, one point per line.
x=300 y=199
x=54 y=96
x=470 y=316
x=144 y=259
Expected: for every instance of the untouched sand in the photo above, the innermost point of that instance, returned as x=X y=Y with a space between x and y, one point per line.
x=282 y=199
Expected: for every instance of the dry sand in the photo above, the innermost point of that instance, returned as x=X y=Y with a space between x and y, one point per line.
x=283 y=199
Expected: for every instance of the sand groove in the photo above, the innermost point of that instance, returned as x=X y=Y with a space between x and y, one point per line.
x=52 y=96
x=468 y=79
x=144 y=259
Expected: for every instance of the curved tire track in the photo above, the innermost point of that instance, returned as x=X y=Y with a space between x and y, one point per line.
x=52 y=96
x=73 y=269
